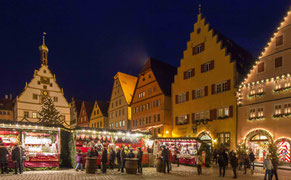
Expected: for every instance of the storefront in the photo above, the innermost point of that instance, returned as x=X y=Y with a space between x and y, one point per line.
x=85 y=137
x=187 y=148
x=258 y=141
x=40 y=143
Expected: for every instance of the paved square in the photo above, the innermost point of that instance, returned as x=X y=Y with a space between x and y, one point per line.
x=182 y=172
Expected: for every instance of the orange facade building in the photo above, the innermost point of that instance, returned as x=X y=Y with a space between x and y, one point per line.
x=151 y=104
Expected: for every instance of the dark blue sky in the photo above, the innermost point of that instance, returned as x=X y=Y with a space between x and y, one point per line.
x=90 y=40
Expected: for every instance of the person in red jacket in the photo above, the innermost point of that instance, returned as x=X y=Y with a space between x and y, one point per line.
x=170 y=159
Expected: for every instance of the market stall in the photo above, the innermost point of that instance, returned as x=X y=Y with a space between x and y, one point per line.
x=40 y=143
x=187 y=148
x=85 y=137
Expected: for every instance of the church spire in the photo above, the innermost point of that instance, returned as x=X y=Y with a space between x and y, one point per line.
x=43 y=51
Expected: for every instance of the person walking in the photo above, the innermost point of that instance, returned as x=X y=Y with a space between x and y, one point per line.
x=215 y=154
x=3 y=158
x=252 y=159
x=247 y=163
x=268 y=166
x=79 y=160
x=199 y=161
x=139 y=157
x=104 y=160
x=222 y=162
x=131 y=154
x=234 y=164
x=118 y=158
x=165 y=156
x=122 y=157
x=176 y=158
x=241 y=161
x=16 y=157
x=275 y=167
x=111 y=158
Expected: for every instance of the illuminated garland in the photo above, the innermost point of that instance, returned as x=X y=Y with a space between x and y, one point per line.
x=243 y=84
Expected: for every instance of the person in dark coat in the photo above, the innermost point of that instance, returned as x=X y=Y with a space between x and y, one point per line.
x=79 y=160
x=176 y=158
x=3 y=158
x=111 y=158
x=165 y=155
x=234 y=164
x=16 y=158
x=215 y=154
x=104 y=160
x=252 y=159
x=118 y=158
x=139 y=157
x=122 y=157
x=247 y=163
x=275 y=167
x=222 y=162
x=130 y=154
x=91 y=152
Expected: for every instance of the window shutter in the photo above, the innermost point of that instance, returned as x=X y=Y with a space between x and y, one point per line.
x=193 y=118
x=193 y=50
x=185 y=75
x=187 y=96
x=202 y=47
x=193 y=94
x=228 y=84
x=206 y=91
x=176 y=99
x=176 y=120
x=188 y=118
x=213 y=89
x=202 y=68
x=230 y=111
x=212 y=64
x=193 y=72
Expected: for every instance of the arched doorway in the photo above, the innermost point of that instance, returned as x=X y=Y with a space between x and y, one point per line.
x=206 y=138
x=258 y=141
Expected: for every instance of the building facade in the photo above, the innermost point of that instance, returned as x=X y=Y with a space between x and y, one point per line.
x=75 y=108
x=204 y=89
x=119 y=110
x=99 y=115
x=264 y=97
x=6 y=108
x=151 y=104
x=43 y=85
x=85 y=113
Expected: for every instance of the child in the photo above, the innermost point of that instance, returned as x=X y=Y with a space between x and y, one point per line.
x=79 y=160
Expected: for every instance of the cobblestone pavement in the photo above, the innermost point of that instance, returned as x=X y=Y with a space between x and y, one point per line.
x=182 y=172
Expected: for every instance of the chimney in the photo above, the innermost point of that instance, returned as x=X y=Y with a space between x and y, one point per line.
x=6 y=96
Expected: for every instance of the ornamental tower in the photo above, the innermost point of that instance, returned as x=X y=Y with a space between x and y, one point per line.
x=43 y=85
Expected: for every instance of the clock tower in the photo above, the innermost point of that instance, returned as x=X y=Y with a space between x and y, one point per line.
x=43 y=85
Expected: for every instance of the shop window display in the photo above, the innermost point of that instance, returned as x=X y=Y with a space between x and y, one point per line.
x=259 y=145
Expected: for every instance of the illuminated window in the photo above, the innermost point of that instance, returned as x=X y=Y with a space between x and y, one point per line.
x=252 y=90
x=278 y=85
x=119 y=123
x=287 y=84
x=287 y=108
x=116 y=124
x=34 y=115
x=260 y=112
x=252 y=113
x=260 y=90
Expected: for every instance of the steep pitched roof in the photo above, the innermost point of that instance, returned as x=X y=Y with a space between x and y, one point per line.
x=242 y=57
x=78 y=105
x=164 y=73
x=103 y=106
x=6 y=104
x=89 y=108
x=128 y=84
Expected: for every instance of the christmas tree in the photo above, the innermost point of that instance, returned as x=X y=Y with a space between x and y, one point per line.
x=49 y=114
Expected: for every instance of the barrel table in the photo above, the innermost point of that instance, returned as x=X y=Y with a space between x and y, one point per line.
x=131 y=165
x=91 y=165
x=160 y=165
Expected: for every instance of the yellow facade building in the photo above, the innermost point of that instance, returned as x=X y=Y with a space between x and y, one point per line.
x=204 y=89
x=99 y=115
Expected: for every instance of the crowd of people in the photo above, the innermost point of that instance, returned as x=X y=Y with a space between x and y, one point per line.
x=244 y=162
x=17 y=156
x=116 y=158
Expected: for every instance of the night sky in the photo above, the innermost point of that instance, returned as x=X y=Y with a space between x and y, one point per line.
x=89 y=40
